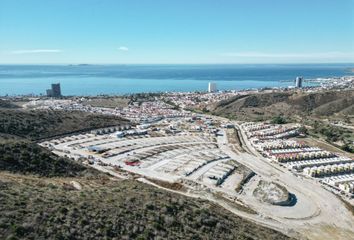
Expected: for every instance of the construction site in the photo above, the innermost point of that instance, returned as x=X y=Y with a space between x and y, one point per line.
x=258 y=171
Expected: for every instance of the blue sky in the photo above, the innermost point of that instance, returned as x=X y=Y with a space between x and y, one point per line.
x=176 y=31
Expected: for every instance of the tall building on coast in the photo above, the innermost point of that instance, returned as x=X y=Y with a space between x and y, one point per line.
x=55 y=91
x=298 y=82
x=211 y=87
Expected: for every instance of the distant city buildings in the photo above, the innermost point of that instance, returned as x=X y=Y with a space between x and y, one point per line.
x=55 y=91
x=212 y=87
x=298 y=82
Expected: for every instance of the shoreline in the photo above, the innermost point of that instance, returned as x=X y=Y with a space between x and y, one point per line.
x=117 y=80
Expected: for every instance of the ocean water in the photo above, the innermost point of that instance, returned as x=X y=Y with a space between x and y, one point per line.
x=125 y=79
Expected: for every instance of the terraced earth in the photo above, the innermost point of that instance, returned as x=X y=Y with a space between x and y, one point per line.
x=44 y=196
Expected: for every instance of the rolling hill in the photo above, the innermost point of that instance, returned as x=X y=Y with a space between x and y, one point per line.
x=263 y=106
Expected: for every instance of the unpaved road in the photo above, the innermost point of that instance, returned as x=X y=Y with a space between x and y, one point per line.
x=318 y=213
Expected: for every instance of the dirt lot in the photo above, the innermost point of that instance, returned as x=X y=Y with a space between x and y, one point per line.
x=233 y=138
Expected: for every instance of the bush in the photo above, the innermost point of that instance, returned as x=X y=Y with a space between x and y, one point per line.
x=278 y=120
x=346 y=147
x=303 y=130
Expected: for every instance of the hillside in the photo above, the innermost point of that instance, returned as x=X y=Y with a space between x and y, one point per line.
x=263 y=106
x=39 y=124
x=44 y=196
x=7 y=104
x=42 y=208
x=29 y=158
x=18 y=128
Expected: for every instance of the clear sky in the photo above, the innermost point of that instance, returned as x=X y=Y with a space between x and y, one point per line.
x=176 y=31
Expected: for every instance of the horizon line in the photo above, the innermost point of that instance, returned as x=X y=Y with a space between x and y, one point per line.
x=87 y=64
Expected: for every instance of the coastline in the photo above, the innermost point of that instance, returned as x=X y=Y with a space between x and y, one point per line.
x=92 y=80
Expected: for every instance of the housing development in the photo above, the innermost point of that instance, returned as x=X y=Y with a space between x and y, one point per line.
x=176 y=120
x=273 y=174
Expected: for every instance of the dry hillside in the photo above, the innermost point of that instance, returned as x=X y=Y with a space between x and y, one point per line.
x=263 y=106
x=39 y=124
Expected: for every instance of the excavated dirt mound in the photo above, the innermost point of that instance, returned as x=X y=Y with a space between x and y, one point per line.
x=273 y=193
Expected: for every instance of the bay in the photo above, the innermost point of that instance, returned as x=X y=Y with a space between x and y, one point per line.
x=86 y=79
